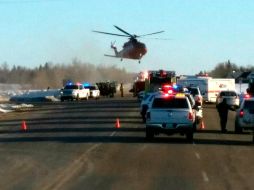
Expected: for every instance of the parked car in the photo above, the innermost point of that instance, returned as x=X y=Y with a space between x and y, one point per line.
x=141 y=95
x=232 y=98
x=94 y=91
x=244 y=118
x=74 y=91
x=145 y=104
x=195 y=91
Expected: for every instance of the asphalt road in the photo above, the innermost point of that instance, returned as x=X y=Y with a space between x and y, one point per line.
x=75 y=145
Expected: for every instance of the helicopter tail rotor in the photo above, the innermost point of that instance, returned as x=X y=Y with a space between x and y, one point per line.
x=113 y=45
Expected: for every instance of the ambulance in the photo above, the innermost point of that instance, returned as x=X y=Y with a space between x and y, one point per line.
x=209 y=87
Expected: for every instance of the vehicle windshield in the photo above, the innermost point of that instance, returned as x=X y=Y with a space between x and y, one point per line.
x=71 y=87
x=248 y=104
x=193 y=91
x=170 y=103
x=92 y=87
x=228 y=93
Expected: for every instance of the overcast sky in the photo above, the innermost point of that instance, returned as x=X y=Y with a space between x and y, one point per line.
x=202 y=32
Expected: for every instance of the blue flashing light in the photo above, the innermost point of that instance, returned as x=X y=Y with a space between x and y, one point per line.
x=68 y=83
x=175 y=86
x=86 y=84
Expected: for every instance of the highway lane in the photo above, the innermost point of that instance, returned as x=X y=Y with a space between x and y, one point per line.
x=74 y=145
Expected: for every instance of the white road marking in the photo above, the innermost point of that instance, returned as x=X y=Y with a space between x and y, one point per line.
x=64 y=175
x=205 y=177
x=112 y=134
x=92 y=148
x=197 y=155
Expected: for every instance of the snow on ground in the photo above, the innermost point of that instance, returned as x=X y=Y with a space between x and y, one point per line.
x=13 y=93
x=37 y=96
x=15 y=99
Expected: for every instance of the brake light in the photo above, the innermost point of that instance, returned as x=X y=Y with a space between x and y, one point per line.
x=241 y=113
x=190 y=116
x=246 y=96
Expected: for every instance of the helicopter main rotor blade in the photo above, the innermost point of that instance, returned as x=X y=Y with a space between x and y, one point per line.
x=157 y=38
x=129 y=35
x=111 y=33
x=150 y=34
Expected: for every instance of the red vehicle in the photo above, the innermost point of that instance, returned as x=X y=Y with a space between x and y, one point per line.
x=157 y=79
x=138 y=86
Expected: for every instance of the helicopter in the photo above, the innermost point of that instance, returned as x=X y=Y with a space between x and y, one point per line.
x=133 y=49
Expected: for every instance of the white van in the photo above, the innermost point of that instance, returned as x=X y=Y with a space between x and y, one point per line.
x=209 y=87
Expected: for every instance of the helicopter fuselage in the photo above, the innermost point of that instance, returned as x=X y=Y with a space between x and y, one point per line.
x=131 y=50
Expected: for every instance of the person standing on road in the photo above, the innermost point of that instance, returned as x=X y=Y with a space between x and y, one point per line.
x=222 y=108
x=121 y=89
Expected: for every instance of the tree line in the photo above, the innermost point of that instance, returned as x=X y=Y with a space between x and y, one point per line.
x=226 y=69
x=54 y=75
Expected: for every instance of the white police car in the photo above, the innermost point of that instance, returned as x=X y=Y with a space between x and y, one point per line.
x=244 y=118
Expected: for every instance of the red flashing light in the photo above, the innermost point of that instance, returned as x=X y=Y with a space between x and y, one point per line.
x=167 y=86
x=246 y=96
x=241 y=113
x=190 y=116
x=167 y=89
x=170 y=91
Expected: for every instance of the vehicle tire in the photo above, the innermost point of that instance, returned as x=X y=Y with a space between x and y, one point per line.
x=149 y=134
x=238 y=130
x=189 y=136
x=62 y=99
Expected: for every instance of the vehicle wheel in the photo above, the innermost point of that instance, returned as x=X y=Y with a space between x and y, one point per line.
x=62 y=99
x=238 y=130
x=189 y=136
x=149 y=134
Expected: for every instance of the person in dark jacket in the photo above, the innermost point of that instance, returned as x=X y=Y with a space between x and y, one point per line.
x=121 y=89
x=222 y=109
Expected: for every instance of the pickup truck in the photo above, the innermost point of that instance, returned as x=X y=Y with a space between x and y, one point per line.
x=170 y=114
x=74 y=92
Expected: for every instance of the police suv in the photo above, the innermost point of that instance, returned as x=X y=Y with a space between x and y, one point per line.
x=74 y=91
x=169 y=114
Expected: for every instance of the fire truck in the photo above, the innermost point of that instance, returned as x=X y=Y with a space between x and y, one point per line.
x=156 y=80
x=139 y=83
x=152 y=81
